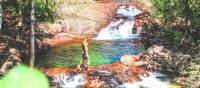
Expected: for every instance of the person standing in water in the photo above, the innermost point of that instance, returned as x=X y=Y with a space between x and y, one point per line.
x=85 y=62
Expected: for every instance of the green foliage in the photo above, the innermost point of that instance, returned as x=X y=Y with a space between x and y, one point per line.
x=45 y=11
x=181 y=20
x=178 y=35
x=22 y=76
x=15 y=10
x=181 y=16
x=164 y=10
x=172 y=12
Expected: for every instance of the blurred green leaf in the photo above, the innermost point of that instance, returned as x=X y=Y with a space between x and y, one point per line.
x=22 y=76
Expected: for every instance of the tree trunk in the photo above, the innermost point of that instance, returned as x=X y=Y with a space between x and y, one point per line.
x=5 y=16
x=32 y=22
x=0 y=15
x=47 y=3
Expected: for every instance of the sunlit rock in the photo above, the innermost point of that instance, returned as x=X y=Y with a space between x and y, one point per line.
x=77 y=20
x=129 y=59
x=55 y=28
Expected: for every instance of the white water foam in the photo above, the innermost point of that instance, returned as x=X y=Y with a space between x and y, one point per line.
x=154 y=80
x=151 y=81
x=131 y=11
x=122 y=28
x=69 y=81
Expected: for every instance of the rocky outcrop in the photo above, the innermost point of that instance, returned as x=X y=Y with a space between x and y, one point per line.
x=162 y=59
x=13 y=58
x=102 y=76
x=77 y=21
x=167 y=54
x=81 y=20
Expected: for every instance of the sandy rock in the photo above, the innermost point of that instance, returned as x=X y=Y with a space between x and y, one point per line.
x=61 y=36
x=47 y=42
x=79 y=26
x=129 y=59
x=55 y=28
x=77 y=20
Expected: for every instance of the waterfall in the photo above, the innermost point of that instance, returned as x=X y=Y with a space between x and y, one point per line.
x=122 y=27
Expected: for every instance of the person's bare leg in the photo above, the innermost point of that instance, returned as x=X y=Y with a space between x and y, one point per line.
x=88 y=64
x=85 y=54
x=79 y=66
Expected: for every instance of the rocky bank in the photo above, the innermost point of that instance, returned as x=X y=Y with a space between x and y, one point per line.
x=77 y=21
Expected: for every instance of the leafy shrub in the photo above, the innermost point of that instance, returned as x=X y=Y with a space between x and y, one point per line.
x=46 y=11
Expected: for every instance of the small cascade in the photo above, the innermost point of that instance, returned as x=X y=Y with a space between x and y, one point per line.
x=154 y=80
x=68 y=81
x=123 y=26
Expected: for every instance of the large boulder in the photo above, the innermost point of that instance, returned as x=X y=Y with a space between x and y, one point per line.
x=161 y=58
x=129 y=59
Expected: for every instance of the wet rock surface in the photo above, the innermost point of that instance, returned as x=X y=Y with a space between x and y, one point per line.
x=67 y=81
x=78 y=21
x=102 y=76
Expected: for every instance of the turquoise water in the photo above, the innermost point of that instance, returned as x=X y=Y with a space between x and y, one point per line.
x=101 y=52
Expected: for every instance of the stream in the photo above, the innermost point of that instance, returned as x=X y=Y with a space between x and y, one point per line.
x=101 y=52
x=112 y=42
